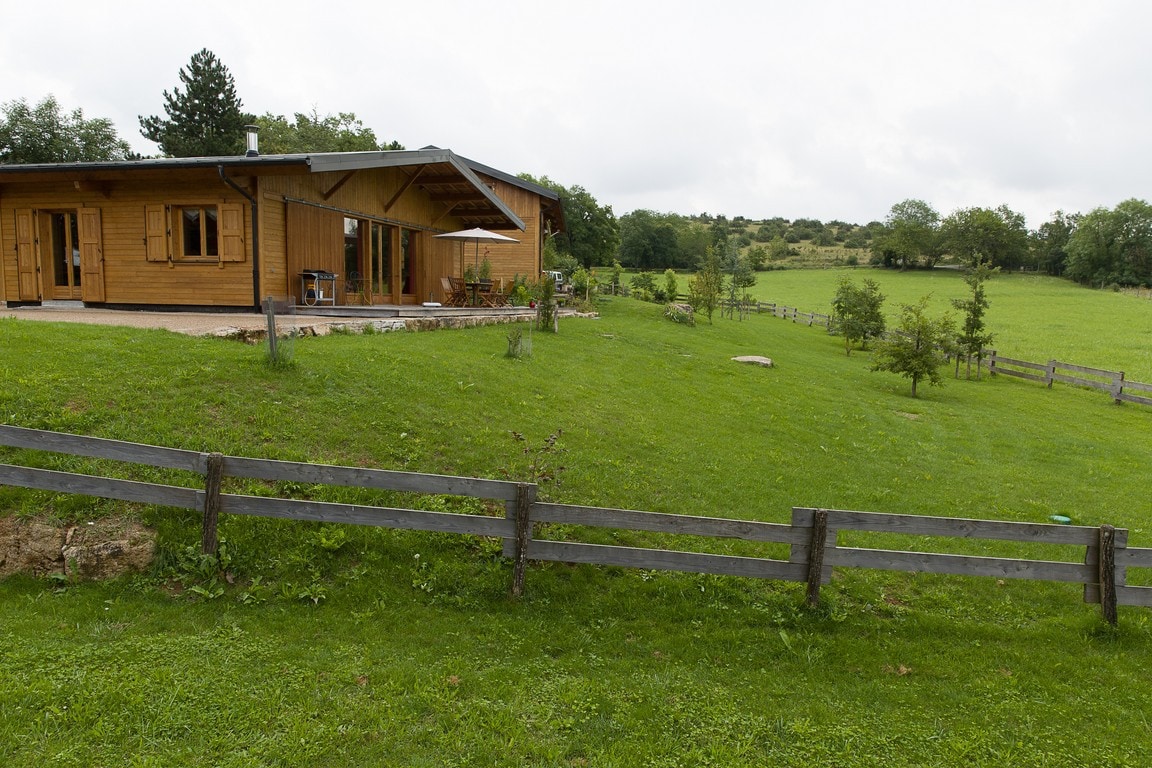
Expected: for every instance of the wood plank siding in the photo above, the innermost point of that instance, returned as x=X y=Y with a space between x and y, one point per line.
x=116 y=240
x=177 y=233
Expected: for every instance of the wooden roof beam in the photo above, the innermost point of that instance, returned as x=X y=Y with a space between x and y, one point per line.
x=456 y=197
x=343 y=180
x=447 y=210
x=403 y=188
x=442 y=179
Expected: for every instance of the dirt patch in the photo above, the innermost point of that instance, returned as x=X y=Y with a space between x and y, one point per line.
x=100 y=549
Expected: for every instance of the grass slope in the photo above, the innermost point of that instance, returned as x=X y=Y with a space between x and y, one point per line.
x=342 y=647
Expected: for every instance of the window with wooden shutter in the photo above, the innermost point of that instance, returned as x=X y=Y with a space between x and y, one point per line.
x=91 y=247
x=156 y=232
x=28 y=282
x=231 y=222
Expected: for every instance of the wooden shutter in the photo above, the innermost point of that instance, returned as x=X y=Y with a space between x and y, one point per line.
x=28 y=282
x=91 y=255
x=156 y=233
x=232 y=232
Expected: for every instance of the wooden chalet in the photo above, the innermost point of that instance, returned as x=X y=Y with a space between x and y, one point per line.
x=226 y=232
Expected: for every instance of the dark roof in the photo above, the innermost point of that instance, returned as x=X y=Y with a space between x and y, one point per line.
x=445 y=176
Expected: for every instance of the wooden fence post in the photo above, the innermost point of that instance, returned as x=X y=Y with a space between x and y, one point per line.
x=1107 y=567
x=816 y=555
x=270 y=315
x=214 y=474
x=1050 y=373
x=1117 y=387
x=525 y=497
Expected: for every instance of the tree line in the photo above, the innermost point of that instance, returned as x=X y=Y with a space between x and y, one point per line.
x=1105 y=247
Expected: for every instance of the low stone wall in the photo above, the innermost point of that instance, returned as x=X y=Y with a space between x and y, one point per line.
x=383 y=325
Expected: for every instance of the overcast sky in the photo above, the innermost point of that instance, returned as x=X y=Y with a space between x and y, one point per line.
x=829 y=110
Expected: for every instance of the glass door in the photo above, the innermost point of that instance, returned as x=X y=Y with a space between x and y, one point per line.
x=381 y=264
x=63 y=237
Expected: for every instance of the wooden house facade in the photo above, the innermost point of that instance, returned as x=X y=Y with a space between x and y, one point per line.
x=226 y=232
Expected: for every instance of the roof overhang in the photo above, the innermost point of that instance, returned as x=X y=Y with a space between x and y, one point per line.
x=444 y=176
x=551 y=206
x=441 y=173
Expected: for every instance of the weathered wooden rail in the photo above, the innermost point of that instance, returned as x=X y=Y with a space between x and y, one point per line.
x=788 y=313
x=1112 y=382
x=1101 y=563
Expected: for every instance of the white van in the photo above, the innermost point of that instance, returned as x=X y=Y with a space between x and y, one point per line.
x=558 y=277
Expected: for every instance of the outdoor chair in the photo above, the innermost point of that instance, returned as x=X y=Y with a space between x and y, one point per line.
x=492 y=295
x=455 y=293
x=354 y=289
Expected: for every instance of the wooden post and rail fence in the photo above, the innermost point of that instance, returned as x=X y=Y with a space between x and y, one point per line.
x=1113 y=382
x=1097 y=557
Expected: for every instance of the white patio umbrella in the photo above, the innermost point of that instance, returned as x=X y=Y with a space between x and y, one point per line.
x=475 y=235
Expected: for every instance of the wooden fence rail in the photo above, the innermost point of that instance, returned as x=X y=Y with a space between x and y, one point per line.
x=1112 y=382
x=812 y=535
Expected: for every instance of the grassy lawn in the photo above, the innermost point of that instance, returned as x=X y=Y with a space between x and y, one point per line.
x=340 y=647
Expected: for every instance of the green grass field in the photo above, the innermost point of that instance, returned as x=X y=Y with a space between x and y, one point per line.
x=340 y=647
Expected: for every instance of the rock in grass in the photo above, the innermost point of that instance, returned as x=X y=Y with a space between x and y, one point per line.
x=754 y=360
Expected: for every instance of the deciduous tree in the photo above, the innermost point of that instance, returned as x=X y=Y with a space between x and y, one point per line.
x=206 y=119
x=857 y=312
x=45 y=134
x=593 y=234
x=704 y=289
x=911 y=236
x=1050 y=242
x=917 y=347
x=998 y=236
x=1113 y=246
x=313 y=132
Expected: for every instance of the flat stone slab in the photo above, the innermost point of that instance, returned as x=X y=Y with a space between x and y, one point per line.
x=754 y=360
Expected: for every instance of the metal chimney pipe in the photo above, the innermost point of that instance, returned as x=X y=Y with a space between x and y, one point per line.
x=251 y=132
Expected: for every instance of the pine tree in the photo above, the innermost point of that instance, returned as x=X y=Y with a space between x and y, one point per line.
x=207 y=119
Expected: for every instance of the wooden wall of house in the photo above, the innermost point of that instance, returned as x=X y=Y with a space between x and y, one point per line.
x=313 y=229
x=524 y=257
x=289 y=242
x=129 y=276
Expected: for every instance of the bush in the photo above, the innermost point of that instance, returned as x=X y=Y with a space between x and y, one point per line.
x=645 y=281
x=671 y=287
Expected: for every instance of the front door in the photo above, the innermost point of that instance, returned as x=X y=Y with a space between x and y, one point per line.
x=70 y=254
x=60 y=245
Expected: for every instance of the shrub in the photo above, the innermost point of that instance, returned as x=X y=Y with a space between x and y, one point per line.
x=671 y=288
x=644 y=280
